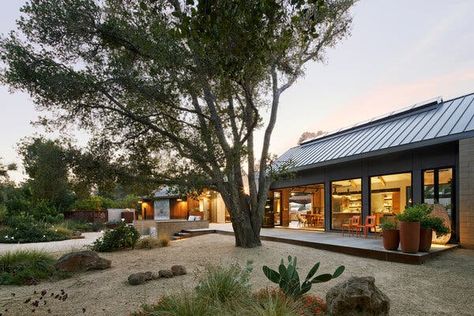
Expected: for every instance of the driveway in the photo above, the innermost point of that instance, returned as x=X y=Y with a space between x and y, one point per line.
x=54 y=246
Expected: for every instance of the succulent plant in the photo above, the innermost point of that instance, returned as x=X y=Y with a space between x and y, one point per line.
x=288 y=278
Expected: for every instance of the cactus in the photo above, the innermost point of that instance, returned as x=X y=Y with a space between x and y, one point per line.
x=288 y=278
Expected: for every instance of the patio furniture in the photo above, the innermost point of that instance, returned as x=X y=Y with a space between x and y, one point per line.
x=302 y=221
x=353 y=226
x=370 y=222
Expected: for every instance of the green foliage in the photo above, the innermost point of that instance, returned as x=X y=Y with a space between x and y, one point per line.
x=161 y=82
x=3 y=214
x=82 y=226
x=25 y=267
x=386 y=224
x=221 y=283
x=47 y=168
x=24 y=228
x=414 y=213
x=122 y=237
x=272 y=302
x=96 y=203
x=181 y=304
x=93 y=203
x=288 y=278
x=227 y=291
x=436 y=224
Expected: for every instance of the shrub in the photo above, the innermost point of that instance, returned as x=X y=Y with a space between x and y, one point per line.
x=314 y=305
x=3 y=214
x=82 y=226
x=272 y=302
x=93 y=203
x=414 y=213
x=164 y=241
x=63 y=231
x=181 y=304
x=436 y=224
x=148 y=243
x=25 y=267
x=289 y=281
x=388 y=225
x=122 y=237
x=24 y=228
x=221 y=284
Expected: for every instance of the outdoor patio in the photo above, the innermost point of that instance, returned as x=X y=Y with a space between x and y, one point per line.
x=370 y=247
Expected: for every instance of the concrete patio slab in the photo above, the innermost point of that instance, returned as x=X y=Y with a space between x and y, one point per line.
x=370 y=247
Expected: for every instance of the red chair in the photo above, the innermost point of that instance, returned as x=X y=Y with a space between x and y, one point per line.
x=353 y=226
x=370 y=222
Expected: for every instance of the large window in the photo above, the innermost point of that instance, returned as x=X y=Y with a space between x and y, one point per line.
x=438 y=187
x=346 y=201
x=389 y=195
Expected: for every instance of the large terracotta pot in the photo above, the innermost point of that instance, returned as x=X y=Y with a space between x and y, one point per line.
x=410 y=236
x=391 y=239
x=426 y=236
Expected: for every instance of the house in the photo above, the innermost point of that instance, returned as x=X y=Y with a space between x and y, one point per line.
x=166 y=205
x=423 y=153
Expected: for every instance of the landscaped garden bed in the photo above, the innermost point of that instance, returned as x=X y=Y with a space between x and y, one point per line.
x=107 y=292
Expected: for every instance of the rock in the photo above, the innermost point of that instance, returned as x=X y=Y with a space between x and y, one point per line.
x=140 y=277
x=178 y=270
x=165 y=273
x=137 y=278
x=81 y=261
x=357 y=296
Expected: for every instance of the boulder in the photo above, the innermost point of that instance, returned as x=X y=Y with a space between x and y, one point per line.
x=357 y=296
x=178 y=270
x=165 y=273
x=81 y=261
x=140 y=277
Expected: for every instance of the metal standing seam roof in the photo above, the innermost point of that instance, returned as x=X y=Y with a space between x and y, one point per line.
x=424 y=124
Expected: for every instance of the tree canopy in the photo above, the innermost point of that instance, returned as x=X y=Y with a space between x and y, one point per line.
x=176 y=88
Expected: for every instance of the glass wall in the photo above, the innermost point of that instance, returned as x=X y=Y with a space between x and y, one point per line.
x=438 y=187
x=306 y=206
x=346 y=201
x=389 y=195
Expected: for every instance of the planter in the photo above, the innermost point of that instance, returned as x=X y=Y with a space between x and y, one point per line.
x=391 y=239
x=410 y=236
x=426 y=236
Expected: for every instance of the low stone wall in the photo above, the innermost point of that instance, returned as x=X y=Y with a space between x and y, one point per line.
x=168 y=227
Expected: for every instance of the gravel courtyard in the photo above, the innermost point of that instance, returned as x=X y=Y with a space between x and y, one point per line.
x=442 y=286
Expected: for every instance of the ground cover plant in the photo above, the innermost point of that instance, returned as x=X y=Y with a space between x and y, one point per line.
x=226 y=290
x=26 y=267
x=121 y=237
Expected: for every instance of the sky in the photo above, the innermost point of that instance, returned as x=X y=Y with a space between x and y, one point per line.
x=399 y=53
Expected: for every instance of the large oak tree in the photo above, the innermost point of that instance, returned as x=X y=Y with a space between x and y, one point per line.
x=178 y=85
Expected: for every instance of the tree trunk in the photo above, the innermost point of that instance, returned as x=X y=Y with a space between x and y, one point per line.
x=245 y=236
x=245 y=221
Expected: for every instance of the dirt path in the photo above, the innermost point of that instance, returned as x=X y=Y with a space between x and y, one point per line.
x=443 y=286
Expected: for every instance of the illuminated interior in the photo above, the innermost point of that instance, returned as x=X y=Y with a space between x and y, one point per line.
x=306 y=207
x=437 y=187
x=389 y=195
x=346 y=201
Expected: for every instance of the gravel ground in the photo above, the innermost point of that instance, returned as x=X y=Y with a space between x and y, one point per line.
x=442 y=286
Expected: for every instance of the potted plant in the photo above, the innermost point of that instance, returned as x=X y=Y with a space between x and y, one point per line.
x=410 y=227
x=428 y=225
x=390 y=234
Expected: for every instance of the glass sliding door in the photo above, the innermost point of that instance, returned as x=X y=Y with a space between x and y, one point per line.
x=346 y=201
x=306 y=207
x=277 y=208
x=389 y=195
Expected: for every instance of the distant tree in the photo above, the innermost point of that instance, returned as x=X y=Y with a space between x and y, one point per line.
x=4 y=169
x=46 y=165
x=308 y=135
x=178 y=86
